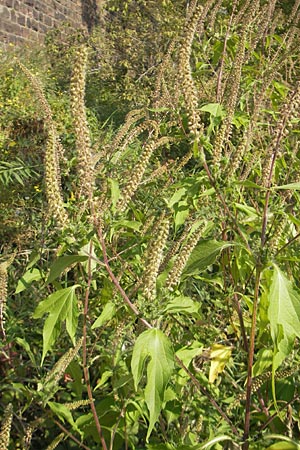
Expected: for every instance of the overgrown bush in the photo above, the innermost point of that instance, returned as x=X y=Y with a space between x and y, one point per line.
x=158 y=307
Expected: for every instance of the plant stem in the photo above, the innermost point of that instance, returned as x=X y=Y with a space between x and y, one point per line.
x=223 y=201
x=270 y=419
x=115 y=281
x=255 y=301
x=250 y=359
x=205 y=392
x=84 y=351
x=64 y=430
x=287 y=244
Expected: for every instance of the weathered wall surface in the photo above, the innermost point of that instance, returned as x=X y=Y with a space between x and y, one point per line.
x=27 y=21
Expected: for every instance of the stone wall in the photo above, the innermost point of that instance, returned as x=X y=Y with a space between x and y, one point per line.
x=27 y=21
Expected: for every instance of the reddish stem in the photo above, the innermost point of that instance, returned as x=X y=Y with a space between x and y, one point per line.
x=84 y=353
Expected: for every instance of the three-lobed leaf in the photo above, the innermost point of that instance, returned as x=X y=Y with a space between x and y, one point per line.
x=283 y=314
x=61 y=306
x=155 y=346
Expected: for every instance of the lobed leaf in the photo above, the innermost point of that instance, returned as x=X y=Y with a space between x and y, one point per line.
x=155 y=345
x=61 y=306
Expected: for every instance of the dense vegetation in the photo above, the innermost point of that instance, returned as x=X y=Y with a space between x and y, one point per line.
x=149 y=271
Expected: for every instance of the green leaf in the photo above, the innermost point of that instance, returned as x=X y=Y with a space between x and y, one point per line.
x=186 y=354
x=182 y=304
x=281 y=88
x=162 y=109
x=284 y=317
x=249 y=184
x=115 y=191
x=240 y=119
x=263 y=361
x=283 y=314
x=283 y=446
x=64 y=414
x=176 y=197
x=28 y=277
x=161 y=447
x=61 y=264
x=285 y=442
x=291 y=186
x=61 y=306
x=23 y=343
x=155 y=345
x=195 y=149
x=108 y=313
x=61 y=411
x=214 y=109
x=88 y=251
x=181 y=213
x=134 y=225
x=104 y=377
x=203 y=255
x=249 y=210
x=213 y=441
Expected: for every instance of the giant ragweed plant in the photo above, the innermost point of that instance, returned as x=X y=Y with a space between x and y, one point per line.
x=184 y=256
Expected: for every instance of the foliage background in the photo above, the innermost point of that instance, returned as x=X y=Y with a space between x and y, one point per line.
x=183 y=199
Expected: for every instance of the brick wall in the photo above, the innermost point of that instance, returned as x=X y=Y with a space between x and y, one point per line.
x=27 y=21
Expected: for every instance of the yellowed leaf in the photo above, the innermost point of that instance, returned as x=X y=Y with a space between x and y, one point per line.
x=219 y=357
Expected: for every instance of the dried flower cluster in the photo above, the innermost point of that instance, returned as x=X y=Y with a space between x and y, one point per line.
x=213 y=14
x=139 y=171
x=56 y=442
x=130 y=120
x=278 y=234
x=3 y=297
x=52 y=171
x=28 y=436
x=223 y=136
x=260 y=380
x=157 y=173
x=187 y=83
x=83 y=143
x=288 y=112
x=59 y=368
x=6 y=427
x=161 y=95
x=72 y=406
x=175 y=246
x=182 y=259
x=155 y=256
x=150 y=125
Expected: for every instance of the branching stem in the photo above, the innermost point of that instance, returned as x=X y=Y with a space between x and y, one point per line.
x=115 y=281
x=250 y=359
x=205 y=392
x=84 y=351
x=71 y=436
